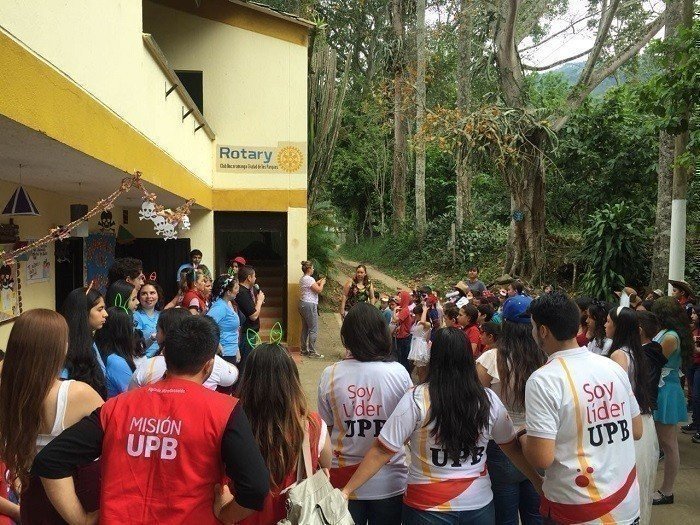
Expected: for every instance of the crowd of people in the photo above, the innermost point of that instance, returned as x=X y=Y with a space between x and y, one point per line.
x=482 y=406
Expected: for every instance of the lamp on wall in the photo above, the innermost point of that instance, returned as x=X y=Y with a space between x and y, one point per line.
x=20 y=203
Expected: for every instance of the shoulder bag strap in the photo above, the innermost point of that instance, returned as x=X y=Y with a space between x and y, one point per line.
x=304 y=464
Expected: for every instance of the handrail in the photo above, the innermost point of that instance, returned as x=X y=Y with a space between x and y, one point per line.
x=170 y=74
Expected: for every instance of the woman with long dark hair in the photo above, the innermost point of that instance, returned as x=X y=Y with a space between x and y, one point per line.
x=35 y=407
x=597 y=315
x=505 y=370
x=622 y=327
x=359 y=289
x=447 y=422
x=279 y=415
x=119 y=346
x=85 y=312
x=225 y=312
x=677 y=346
x=370 y=365
x=122 y=294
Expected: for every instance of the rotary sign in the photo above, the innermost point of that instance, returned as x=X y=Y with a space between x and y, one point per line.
x=287 y=157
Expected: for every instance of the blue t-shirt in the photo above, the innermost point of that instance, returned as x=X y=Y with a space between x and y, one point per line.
x=147 y=325
x=229 y=323
x=387 y=314
x=117 y=375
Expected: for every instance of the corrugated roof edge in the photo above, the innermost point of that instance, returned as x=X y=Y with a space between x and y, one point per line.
x=275 y=12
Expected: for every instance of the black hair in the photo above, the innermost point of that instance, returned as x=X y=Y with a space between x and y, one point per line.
x=473 y=267
x=517 y=358
x=159 y=291
x=195 y=252
x=672 y=316
x=648 y=322
x=598 y=311
x=244 y=272
x=118 y=336
x=223 y=283
x=493 y=329
x=123 y=268
x=366 y=334
x=81 y=361
x=170 y=318
x=418 y=310
x=191 y=276
x=558 y=313
x=459 y=405
x=121 y=288
x=627 y=335
x=471 y=312
x=648 y=304
x=451 y=311
x=583 y=303
x=2 y=355
x=517 y=286
x=191 y=343
x=487 y=310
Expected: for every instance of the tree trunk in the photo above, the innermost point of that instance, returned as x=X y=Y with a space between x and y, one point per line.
x=399 y=166
x=421 y=216
x=463 y=172
x=662 y=226
x=527 y=226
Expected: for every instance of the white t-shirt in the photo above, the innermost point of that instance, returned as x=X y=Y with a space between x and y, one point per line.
x=153 y=369
x=584 y=402
x=307 y=294
x=489 y=360
x=356 y=398
x=600 y=350
x=469 y=485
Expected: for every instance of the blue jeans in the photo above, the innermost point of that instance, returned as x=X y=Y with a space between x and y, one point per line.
x=512 y=491
x=694 y=385
x=482 y=516
x=403 y=347
x=385 y=511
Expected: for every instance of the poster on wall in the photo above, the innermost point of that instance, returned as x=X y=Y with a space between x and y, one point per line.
x=38 y=265
x=99 y=256
x=285 y=158
x=9 y=289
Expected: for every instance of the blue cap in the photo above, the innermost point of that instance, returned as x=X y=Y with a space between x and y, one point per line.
x=515 y=309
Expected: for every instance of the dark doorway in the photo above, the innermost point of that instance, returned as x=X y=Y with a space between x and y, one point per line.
x=159 y=256
x=69 y=268
x=262 y=239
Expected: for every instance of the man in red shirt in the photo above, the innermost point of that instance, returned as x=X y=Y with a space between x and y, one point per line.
x=165 y=448
x=467 y=317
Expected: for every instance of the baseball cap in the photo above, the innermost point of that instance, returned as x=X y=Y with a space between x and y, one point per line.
x=240 y=260
x=515 y=309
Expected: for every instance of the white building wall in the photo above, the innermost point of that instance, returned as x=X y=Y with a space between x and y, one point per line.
x=99 y=45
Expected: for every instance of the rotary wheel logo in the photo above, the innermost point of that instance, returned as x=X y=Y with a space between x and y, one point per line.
x=290 y=159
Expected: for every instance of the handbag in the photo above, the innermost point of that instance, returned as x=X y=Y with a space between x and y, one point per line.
x=312 y=500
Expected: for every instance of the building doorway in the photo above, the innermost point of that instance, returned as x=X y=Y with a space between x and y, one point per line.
x=68 y=255
x=261 y=238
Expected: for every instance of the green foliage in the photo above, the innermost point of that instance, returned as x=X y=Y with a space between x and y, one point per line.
x=613 y=250
x=322 y=241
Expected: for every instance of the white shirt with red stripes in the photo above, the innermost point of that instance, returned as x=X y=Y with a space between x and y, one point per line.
x=585 y=404
x=436 y=482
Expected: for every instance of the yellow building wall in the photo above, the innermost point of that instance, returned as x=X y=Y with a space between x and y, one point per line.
x=255 y=86
x=98 y=46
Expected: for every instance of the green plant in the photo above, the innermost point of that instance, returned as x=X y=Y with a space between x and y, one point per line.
x=321 y=238
x=614 y=248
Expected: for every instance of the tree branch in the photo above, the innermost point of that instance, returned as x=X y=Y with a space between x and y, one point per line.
x=580 y=92
x=604 y=24
x=557 y=63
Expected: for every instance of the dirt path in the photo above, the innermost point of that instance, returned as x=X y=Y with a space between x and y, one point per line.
x=376 y=275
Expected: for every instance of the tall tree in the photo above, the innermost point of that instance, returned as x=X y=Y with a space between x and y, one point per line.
x=421 y=217
x=400 y=163
x=526 y=179
x=463 y=169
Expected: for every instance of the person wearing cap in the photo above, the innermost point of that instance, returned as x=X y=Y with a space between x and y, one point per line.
x=234 y=264
x=464 y=293
x=682 y=292
x=505 y=370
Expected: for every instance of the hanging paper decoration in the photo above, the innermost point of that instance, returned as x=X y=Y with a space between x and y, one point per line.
x=148 y=210
x=185 y=223
x=106 y=223
x=63 y=232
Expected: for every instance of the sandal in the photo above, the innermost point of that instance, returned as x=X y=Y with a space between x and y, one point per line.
x=662 y=499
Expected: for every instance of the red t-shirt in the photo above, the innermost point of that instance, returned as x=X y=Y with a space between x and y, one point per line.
x=582 y=339
x=474 y=338
x=4 y=520
x=194 y=299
